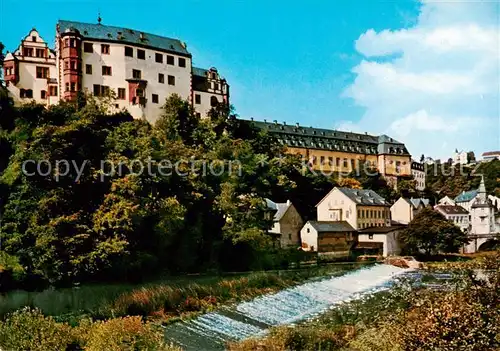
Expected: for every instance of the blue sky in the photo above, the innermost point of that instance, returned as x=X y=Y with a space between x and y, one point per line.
x=308 y=62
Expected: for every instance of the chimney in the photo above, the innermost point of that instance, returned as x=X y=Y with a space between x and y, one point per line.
x=265 y=120
x=141 y=36
x=288 y=203
x=275 y=122
x=284 y=123
x=298 y=125
x=251 y=118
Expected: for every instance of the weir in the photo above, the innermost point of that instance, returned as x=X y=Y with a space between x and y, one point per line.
x=250 y=319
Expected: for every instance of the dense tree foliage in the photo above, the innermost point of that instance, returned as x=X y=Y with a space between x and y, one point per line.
x=431 y=233
x=90 y=213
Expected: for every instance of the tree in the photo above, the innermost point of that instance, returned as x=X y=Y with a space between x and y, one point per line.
x=431 y=233
x=471 y=157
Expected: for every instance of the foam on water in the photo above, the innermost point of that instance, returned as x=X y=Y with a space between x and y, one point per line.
x=252 y=318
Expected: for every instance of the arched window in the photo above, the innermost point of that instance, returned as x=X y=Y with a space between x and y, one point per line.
x=213 y=101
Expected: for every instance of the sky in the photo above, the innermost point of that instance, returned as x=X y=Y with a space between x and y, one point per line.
x=426 y=73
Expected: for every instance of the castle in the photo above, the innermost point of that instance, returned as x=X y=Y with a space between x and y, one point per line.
x=140 y=69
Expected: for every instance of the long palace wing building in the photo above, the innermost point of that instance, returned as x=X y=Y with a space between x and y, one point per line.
x=141 y=69
x=338 y=151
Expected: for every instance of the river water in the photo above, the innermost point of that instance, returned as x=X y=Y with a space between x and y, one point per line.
x=249 y=319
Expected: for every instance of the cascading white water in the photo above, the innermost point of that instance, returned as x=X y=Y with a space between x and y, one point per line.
x=253 y=318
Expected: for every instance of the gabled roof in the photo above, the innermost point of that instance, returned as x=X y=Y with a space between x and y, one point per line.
x=491 y=153
x=124 y=35
x=419 y=201
x=451 y=210
x=338 y=226
x=466 y=196
x=364 y=197
x=279 y=207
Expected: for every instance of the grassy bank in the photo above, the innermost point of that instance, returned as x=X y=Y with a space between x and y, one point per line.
x=130 y=320
x=406 y=318
x=105 y=300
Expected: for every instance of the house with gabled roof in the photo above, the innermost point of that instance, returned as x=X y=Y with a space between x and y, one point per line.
x=287 y=223
x=404 y=210
x=328 y=237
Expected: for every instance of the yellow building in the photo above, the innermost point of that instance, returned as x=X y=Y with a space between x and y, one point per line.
x=333 y=151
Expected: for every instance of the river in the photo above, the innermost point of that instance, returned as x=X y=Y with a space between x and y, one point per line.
x=253 y=318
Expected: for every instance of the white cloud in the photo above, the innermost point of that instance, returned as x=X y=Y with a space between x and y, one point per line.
x=434 y=85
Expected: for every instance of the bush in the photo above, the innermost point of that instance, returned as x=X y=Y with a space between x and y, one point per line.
x=28 y=329
x=127 y=333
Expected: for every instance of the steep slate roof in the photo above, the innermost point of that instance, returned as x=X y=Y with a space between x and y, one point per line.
x=339 y=226
x=451 y=210
x=330 y=139
x=491 y=153
x=200 y=72
x=417 y=202
x=279 y=207
x=466 y=196
x=125 y=36
x=364 y=197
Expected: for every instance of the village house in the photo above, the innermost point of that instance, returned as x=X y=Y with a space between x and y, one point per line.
x=359 y=207
x=328 y=238
x=446 y=201
x=287 y=223
x=466 y=199
x=456 y=214
x=404 y=210
x=380 y=240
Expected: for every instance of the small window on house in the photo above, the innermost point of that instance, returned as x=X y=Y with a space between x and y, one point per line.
x=139 y=92
x=161 y=78
x=198 y=115
x=28 y=52
x=66 y=42
x=136 y=74
x=33 y=38
x=197 y=99
x=121 y=93
x=105 y=49
x=322 y=160
x=88 y=47
x=67 y=87
x=171 y=80
x=72 y=65
x=370 y=236
x=72 y=42
x=216 y=86
x=182 y=62
x=213 y=101
x=308 y=230
x=104 y=90
x=43 y=94
x=170 y=60
x=40 y=52
x=73 y=86
x=97 y=90
x=154 y=98
x=88 y=69
x=106 y=70
x=159 y=58
x=53 y=90
x=289 y=236
x=129 y=51
x=141 y=54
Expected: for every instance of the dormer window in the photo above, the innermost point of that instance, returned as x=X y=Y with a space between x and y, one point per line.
x=33 y=38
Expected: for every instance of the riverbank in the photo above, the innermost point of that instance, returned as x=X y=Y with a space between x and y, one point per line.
x=135 y=316
x=406 y=318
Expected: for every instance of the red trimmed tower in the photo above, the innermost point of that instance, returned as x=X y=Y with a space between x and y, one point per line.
x=70 y=62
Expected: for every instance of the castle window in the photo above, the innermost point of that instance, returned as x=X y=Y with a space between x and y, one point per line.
x=159 y=58
x=214 y=75
x=67 y=87
x=28 y=52
x=136 y=74
x=88 y=69
x=216 y=86
x=121 y=93
x=72 y=42
x=40 y=53
x=53 y=90
x=43 y=94
x=346 y=162
x=330 y=161
x=182 y=62
x=88 y=47
x=213 y=101
x=198 y=115
x=141 y=54
x=73 y=86
x=322 y=160
x=170 y=60
x=139 y=92
x=106 y=70
x=105 y=49
x=197 y=99
x=33 y=38
x=154 y=98
x=22 y=93
x=129 y=51
x=42 y=72
x=161 y=78
x=171 y=80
